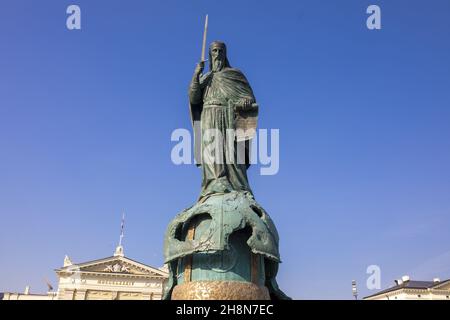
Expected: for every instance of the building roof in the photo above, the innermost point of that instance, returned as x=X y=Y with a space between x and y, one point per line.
x=411 y=284
x=87 y=266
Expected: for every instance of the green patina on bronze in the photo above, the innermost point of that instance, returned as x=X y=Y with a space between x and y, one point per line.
x=229 y=224
x=217 y=100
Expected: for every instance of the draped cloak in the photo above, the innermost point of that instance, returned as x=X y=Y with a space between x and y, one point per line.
x=216 y=103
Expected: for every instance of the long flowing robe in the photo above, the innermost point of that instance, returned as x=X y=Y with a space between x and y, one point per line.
x=213 y=103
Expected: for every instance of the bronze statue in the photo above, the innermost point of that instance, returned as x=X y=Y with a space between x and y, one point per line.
x=225 y=246
x=222 y=99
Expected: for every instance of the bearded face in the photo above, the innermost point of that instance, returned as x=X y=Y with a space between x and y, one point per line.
x=218 y=58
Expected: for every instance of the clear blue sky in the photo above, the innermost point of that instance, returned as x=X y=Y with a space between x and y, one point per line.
x=364 y=118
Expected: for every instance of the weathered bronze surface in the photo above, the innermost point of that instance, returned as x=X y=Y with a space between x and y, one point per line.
x=225 y=246
x=220 y=99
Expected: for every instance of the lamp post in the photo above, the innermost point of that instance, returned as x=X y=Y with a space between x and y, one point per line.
x=354 y=290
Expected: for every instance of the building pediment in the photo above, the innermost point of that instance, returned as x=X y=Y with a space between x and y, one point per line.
x=445 y=285
x=115 y=265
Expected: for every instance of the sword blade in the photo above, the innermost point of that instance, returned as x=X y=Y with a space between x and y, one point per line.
x=204 y=39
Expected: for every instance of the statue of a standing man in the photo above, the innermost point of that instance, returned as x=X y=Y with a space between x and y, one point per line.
x=222 y=101
x=225 y=246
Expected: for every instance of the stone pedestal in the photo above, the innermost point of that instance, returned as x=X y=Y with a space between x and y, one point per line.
x=220 y=290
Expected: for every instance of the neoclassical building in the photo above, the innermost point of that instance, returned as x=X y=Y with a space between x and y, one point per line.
x=406 y=289
x=112 y=278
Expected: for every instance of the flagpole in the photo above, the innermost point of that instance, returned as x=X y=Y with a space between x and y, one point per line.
x=121 y=229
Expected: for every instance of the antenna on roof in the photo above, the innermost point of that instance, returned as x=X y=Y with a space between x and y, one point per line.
x=50 y=287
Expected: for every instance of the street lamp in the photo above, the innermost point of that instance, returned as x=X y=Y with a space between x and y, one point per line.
x=354 y=290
